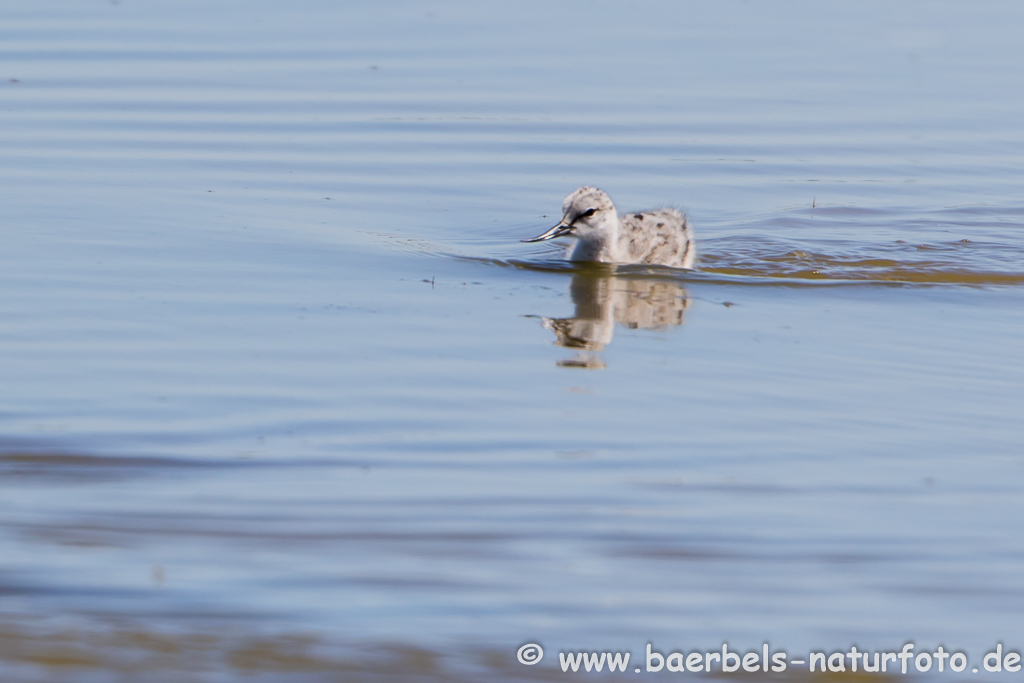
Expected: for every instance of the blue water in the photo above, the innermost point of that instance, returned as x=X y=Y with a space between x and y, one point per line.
x=283 y=396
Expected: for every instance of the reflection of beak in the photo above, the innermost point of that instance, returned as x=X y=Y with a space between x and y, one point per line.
x=559 y=230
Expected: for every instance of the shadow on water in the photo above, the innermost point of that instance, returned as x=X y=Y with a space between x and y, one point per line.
x=29 y=465
x=602 y=300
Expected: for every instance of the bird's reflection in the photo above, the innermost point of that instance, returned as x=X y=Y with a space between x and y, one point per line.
x=602 y=300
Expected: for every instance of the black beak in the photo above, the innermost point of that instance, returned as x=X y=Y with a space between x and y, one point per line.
x=559 y=230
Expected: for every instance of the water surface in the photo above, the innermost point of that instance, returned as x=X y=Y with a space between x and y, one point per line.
x=282 y=395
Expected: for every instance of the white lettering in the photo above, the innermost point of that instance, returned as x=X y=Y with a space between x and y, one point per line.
x=592 y=661
x=726 y=656
x=854 y=656
x=651 y=656
x=906 y=654
x=572 y=660
x=617 y=661
x=998 y=656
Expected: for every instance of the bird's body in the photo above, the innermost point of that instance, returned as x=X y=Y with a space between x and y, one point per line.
x=662 y=237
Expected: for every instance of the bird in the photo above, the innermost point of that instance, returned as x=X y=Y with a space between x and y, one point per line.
x=661 y=237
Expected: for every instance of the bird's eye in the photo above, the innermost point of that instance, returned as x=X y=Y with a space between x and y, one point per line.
x=589 y=212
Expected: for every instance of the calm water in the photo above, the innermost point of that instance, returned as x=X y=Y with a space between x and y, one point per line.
x=282 y=396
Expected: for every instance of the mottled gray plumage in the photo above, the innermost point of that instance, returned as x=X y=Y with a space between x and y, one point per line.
x=661 y=237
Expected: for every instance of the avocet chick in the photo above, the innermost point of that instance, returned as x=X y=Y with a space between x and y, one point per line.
x=662 y=237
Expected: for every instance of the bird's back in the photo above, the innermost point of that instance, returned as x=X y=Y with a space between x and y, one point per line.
x=661 y=237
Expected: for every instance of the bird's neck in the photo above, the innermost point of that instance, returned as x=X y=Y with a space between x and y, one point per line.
x=600 y=244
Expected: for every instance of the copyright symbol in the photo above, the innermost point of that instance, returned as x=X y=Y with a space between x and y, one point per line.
x=530 y=654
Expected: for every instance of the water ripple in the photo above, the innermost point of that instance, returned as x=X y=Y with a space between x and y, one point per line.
x=844 y=245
